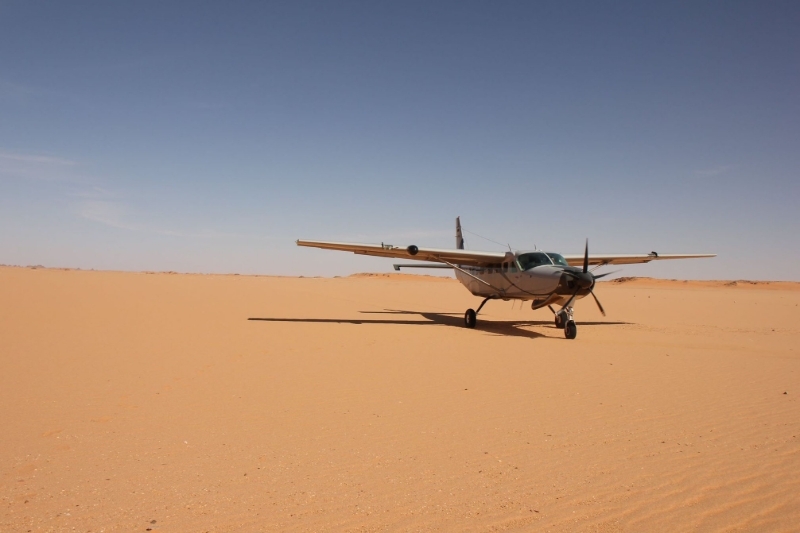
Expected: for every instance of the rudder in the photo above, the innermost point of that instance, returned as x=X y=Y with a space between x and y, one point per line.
x=459 y=236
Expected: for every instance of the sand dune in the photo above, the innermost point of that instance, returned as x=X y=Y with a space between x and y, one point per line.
x=166 y=402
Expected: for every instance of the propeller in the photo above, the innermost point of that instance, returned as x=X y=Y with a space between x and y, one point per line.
x=599 y=305
x=606 y=274
x=585 y=280
x=586 y=257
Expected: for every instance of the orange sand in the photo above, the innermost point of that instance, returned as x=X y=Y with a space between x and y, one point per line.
x=133 y=401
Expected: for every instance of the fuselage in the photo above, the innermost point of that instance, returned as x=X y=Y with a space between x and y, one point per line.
x=536 y=276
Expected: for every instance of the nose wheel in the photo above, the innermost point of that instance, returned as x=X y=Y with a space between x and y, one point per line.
x=564 y=320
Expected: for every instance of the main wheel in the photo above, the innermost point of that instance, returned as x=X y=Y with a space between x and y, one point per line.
x=470 y=318
x=570 y=329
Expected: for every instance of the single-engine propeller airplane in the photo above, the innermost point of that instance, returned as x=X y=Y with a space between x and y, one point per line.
x=544 y=278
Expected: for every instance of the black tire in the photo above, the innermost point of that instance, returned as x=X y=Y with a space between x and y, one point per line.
x=470 y=318
x=570 y=329
x=559 y=322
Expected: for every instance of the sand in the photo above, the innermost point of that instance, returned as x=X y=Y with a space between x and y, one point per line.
x=172 y=402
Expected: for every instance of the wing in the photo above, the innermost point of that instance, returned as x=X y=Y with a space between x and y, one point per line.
x=629 y=259
x=459 y=257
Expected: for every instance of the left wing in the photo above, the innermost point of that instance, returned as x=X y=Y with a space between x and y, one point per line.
x=458 y=257
x=629 y=259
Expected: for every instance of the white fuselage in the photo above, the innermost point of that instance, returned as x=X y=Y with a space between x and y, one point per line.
x=509 y=281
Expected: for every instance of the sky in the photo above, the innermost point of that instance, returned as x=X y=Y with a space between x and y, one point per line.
x=209 y=136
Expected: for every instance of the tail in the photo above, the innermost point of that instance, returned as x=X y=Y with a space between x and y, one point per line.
x=459 y=237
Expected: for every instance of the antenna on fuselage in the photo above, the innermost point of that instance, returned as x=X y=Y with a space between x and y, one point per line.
x=486 y=238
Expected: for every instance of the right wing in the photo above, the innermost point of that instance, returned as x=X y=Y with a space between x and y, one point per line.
x=628 y=259
x=458 y=257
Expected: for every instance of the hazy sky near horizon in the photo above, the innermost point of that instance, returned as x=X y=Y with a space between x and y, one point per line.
x=208 y=136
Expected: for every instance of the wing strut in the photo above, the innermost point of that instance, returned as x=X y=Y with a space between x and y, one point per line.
x=476 y=278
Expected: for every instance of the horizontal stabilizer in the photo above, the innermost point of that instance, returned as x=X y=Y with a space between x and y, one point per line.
x=398 y=267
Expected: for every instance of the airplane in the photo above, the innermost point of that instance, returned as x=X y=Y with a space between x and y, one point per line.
x=543 y=278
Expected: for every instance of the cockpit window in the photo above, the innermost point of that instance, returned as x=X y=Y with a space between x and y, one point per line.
x=558 y=259
x=534 y=259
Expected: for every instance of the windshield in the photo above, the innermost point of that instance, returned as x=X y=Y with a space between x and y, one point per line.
x=534 y=259
x=557 y=259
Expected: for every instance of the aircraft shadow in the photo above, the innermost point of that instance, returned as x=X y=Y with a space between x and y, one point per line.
x=512 y=328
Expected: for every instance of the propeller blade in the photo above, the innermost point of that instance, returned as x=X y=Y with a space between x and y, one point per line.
x=586 y=257
x=606 y=274
x=599 y=305
x=571 y=299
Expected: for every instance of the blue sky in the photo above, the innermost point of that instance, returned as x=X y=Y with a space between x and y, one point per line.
x=207 y=137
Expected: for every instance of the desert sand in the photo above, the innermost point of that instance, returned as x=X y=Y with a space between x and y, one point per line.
x=173 y=402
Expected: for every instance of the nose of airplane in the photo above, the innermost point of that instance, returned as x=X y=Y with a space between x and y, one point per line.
x=584 y=280
x=580 y=280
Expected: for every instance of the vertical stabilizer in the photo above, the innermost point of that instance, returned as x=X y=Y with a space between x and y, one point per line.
x=459 y=236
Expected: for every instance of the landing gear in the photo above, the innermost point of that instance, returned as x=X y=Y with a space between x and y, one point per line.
x=565 y=320
x=563 y=316
x=471 y=316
